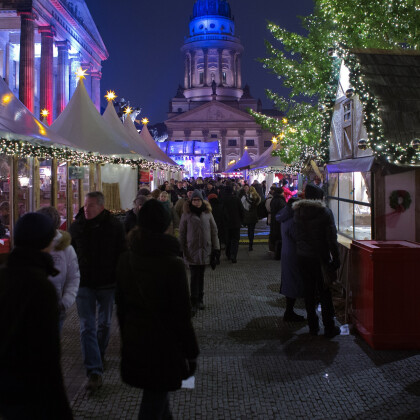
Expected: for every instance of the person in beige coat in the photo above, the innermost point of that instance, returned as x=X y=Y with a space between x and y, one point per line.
x=198 y=237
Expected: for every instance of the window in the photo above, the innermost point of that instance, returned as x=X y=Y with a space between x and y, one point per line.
x=232 y=142
x=350 y=200
x=213 y=136
x=179 y=109
x=224 y=77
x=201 y=75
x=267 y=143
x=347 y=111
x=250 y=142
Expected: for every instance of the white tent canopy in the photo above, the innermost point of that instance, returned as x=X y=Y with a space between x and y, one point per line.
x=266 y=160
x=81 y=122
x=149 y=143
x=243 y=163
x=110 y=115
x=18 y=123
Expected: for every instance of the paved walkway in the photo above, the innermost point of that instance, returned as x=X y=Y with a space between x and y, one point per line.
x=253 y=366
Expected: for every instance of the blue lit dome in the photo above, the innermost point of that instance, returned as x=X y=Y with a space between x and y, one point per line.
x=211 y=7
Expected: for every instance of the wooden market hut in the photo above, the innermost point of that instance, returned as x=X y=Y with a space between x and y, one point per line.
x=374 y=146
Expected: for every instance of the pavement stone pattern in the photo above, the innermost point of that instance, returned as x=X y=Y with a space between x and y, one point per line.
x=254 y=366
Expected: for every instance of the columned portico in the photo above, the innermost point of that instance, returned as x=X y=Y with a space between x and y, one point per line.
x=206 y=65
x=96 y=89
x=233 y=67
x=46 y=76
x=220 y=65
x=27 y=59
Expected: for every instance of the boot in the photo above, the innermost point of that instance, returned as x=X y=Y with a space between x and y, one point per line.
x=290 y=315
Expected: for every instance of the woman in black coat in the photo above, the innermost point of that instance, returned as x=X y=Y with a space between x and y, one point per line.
x=278 y=202
x=159 y=346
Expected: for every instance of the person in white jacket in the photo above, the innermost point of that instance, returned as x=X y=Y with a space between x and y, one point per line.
x=67 y=281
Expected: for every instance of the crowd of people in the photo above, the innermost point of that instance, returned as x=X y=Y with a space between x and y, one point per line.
x=141 y=265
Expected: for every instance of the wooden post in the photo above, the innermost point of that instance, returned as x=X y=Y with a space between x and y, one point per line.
x=13 y=195
x=378 y=207
x=69 y=198
x=36 y=184
x=54 y=186
x=91 y=177
x=98 y=178
x=417 y=201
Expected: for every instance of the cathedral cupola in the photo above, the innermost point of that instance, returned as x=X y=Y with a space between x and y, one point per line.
x=212 y=53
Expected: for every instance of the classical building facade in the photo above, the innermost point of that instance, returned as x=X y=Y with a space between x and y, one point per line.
x=42 y=44
x=212 y=105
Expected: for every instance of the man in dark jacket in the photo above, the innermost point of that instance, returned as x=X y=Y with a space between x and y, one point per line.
x=232 y=213
x=31 y=382
x=98 y=239
x=316 y=243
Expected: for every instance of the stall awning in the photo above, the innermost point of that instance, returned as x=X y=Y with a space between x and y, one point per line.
x=363 y=164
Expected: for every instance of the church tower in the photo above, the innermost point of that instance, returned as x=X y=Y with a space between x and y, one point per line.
x=212 y=53
x=208 y=120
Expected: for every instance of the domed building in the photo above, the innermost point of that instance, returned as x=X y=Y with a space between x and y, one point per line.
x=211 y=106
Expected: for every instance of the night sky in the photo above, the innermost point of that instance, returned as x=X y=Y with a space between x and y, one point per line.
x=143 y=38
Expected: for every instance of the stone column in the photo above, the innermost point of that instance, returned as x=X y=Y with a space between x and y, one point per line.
x=186 y=71
x=223 y=134
x=73 y=66
x=241 y=141
x=27 y=59
x=96 y=89
x=88 y=79
x=220 y=51
x=206 y=65
x=63 y=76
x=46 y=77
x=192 y=64
x=233 y=66
x=238 y=71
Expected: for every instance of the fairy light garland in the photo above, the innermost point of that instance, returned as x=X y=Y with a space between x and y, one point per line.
x=24 y=149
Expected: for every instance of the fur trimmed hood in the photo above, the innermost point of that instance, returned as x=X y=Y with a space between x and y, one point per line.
x=61 y=240
x=188 y=210
x=308 y=203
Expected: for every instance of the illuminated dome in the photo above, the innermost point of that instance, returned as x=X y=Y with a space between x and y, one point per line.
x=211 y=7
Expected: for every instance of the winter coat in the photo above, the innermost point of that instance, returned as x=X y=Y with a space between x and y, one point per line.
x=216 y=211
x=30 y=371
x=268 y=208
x=232 y=212
x=316 y=233
x=277 y=203
x=251 y=215
x=291 y=280
x=98 y=243
x=130 y=220
x=154 y=313
x=198 y=235
x=66 y=283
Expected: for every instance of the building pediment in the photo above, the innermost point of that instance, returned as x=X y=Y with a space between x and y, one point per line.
x=212 y=112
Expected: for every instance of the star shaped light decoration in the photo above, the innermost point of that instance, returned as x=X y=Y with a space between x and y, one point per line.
x=80 y=74
x=128 y=110
x=110 y=96
x=145 y=121
x=45 y=113
x=274 y=140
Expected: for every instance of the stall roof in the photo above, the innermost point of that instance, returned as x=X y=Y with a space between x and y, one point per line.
x=266 y=160
x=18 y=123
x=110 y=115
x=393 y=77
x=243 y=163
x=149 y=143
x=362 y=164
x=81 y=122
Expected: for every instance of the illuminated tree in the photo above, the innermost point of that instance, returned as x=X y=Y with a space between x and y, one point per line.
x=309 y=64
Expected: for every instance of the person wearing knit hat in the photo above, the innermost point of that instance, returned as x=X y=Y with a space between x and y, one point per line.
x=159 y=346
x=154 y=217
x=31 y=382
x=197 y=194
x=34 y=231
x=312 y=192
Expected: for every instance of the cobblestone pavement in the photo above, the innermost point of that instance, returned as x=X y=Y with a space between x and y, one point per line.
x=254 y=366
